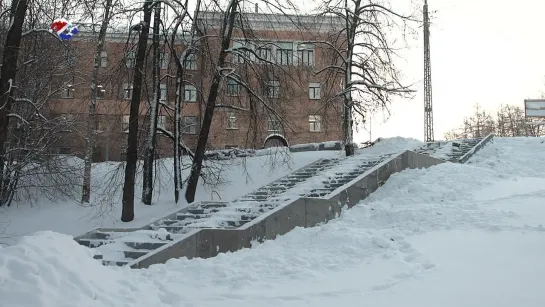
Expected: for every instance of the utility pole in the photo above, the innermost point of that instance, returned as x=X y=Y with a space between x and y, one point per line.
x=428 y=109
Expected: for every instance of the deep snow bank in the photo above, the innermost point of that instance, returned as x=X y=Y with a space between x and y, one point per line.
x=51 y=269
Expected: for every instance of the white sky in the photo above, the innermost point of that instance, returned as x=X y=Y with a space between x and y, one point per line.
x=489 y=52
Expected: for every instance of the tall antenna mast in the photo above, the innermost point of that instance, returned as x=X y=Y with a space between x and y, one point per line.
x=428 y=109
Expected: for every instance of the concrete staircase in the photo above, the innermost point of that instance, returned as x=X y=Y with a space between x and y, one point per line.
x=314 y=180
x=457 y=151
x=120 y=248
x=306 y=197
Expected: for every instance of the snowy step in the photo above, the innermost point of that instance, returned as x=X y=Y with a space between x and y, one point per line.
x=255 y=197
x=93 y=243
x=213 y=205
x=172 y=229
x=103 y=235
x=135 y=254
x=272 y=188
x=317 y=193
x=145 y=245
x=167 y=222
x=185 y=216
x=201 y=210
x=114 y=262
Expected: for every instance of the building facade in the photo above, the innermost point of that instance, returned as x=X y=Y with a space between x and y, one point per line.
x=273 y=93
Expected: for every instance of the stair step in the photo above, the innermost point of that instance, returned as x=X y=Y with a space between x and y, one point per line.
x=112 y=263
x=168 y=222
x=173 y=229
x=213 y=205
x=93 y=243
x=135 y=254
x=185 y=216
x=145 y=245
x=102 y=235
x=201 y=211
x=333 y=185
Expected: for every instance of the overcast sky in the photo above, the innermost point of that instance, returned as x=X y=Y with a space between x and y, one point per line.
x=490 y=52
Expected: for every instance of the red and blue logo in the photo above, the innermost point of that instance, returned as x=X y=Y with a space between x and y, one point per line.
x=64 y=28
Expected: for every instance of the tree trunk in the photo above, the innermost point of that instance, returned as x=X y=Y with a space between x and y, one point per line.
x=226 y=33
x=127 y=213
x=178 y=135
x=347 y=104
x=149 y=151
x=9 y=70
x=91 y=119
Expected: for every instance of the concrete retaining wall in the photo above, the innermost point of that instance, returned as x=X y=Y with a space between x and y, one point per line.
x=301 y=212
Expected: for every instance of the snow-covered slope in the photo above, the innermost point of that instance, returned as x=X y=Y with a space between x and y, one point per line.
x=451 y=235
x=240 y=176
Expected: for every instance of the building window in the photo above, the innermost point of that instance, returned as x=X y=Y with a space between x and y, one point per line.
x=306 y=54
x=284 y=53
x=315 y=122
x=69 y=58
x=233 y=87
x=163 y=93
x=239 y=56
x=103 y=59
x=130 y=59
x=273 y=89
x=164 y=58
x=125 y=123
x=190 y=62
x=190 y=124
x=264 y=53
x=314 y=91
x=190 y=93
x=127 y=91
x=67 y=91
x=274 y=125
x=101 y=92
x=232 y=120
x=161 y=122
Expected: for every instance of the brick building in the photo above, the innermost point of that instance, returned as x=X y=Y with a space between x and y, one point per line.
x=279 y=100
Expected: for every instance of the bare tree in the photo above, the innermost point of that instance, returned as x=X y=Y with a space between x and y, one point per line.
x=91 y=120
x=190 y=39
x=33 y=66
x=149 y=149
x=225 y=40
x=10 y=59
x=244 y=64
x=363 y=53
x=480 y=124
x=511 y=121
x=143 y=27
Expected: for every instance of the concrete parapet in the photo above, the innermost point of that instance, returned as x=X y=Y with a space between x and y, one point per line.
x=475 y=149
x=184 y=247
x=416 y=160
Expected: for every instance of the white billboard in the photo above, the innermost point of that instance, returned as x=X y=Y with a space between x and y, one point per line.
x=534 y=107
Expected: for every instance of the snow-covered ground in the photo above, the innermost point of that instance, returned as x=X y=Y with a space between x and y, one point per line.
x=451 y=235
x=242 y=176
